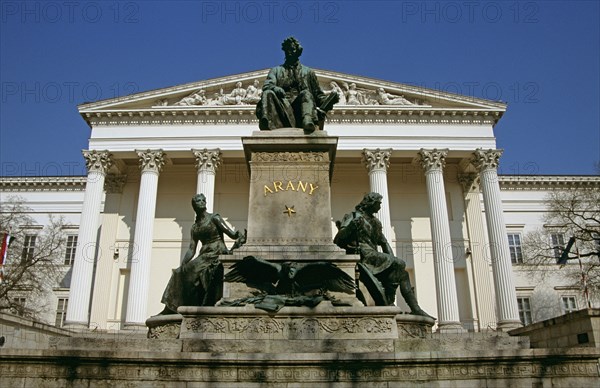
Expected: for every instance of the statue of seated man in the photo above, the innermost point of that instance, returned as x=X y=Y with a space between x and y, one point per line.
x=199 y=280
x=291 y=95
x=361 y=232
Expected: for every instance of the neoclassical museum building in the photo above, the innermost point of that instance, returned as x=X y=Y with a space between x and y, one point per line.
x=446 y=210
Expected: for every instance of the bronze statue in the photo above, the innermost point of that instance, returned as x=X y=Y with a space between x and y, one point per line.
x=292 y=96
x=288 y=283
x=199 y=280
x=361 y=232
x=289 y=278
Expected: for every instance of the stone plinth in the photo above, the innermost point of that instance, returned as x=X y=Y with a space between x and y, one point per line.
x=292 y=329
x=290 y=196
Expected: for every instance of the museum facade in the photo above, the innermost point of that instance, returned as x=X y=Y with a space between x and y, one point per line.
x=432 y=155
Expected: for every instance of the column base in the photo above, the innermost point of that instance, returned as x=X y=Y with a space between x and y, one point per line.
x=450 y=327
x=508 y=325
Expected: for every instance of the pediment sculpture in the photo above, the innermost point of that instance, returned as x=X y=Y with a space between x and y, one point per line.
x=349 y=95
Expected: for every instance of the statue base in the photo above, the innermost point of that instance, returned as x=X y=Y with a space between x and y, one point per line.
x=292 y=330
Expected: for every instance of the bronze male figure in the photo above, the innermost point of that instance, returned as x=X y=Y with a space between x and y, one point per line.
x=361 y=232
x=292 y=96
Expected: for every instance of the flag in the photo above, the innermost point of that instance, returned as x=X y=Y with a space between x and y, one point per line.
x=562 y=260
x=6 y=239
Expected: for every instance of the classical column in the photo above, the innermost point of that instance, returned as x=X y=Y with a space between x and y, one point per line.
x=433 y=162
x=207 y=162
x=97 y=163
x=113 y=186
x=151 y=163
x=506 y=297
x=480 y=267
x=377 y=162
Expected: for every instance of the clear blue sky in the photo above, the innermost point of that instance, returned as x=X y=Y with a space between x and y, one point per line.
x=541 y=57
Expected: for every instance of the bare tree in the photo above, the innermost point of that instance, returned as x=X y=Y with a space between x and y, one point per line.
x=570 y=213
x=32 y=266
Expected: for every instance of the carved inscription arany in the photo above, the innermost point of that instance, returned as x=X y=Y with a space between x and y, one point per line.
x=298 y=186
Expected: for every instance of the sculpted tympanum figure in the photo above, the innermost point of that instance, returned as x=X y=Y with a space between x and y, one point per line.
x=292 y=96
x=199 y=280
x=361 y=232
x=385 y=98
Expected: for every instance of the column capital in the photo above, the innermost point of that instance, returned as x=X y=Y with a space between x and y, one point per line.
x=97 y=161
x=432 y=159
x=207 y=160
x=377 y=159
x=151 y=160
x=486 y=159
x=114 y=183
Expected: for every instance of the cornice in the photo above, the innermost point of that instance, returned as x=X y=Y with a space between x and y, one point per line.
x=548 y=182
x=42 y=183
x=200 y=115
x=507 y=182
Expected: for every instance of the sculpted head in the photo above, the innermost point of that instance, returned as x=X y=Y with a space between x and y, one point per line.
x=199 y=202
x=371 y=203
x=292 y=49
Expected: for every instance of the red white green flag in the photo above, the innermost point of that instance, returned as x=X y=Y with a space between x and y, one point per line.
x=5 y=242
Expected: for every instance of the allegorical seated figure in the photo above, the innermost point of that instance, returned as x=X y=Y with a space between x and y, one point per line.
x=292 y=97
x=199 y=280
x=361 y=232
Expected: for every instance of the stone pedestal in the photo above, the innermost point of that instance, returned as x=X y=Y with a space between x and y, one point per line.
x=324 y=328
x=289 y=213
x=290 y=196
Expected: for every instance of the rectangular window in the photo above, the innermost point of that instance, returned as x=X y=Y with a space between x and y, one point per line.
x=514 y=245
x=70 y=251
x=569 y=304
x=28 y=247
x=524 y=305
x=61 y=312
x=558 y=244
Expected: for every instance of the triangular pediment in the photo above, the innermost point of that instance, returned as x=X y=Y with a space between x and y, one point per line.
x=241 y=91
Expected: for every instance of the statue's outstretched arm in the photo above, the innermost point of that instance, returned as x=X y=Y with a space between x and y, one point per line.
x=223 y=227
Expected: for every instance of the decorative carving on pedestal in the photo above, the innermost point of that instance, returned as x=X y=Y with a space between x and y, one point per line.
x=234 y=325
x=114 y=183
x=412 y=331
x=151 y=160
x=486 y=159
x=208 y=160
x=377 y=159
x=98 y=161
x=432 y=159
x=167 y=331
x=300 y=327
x=290 y=157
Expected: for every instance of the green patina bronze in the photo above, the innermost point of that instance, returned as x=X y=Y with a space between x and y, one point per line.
x=292 y=97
